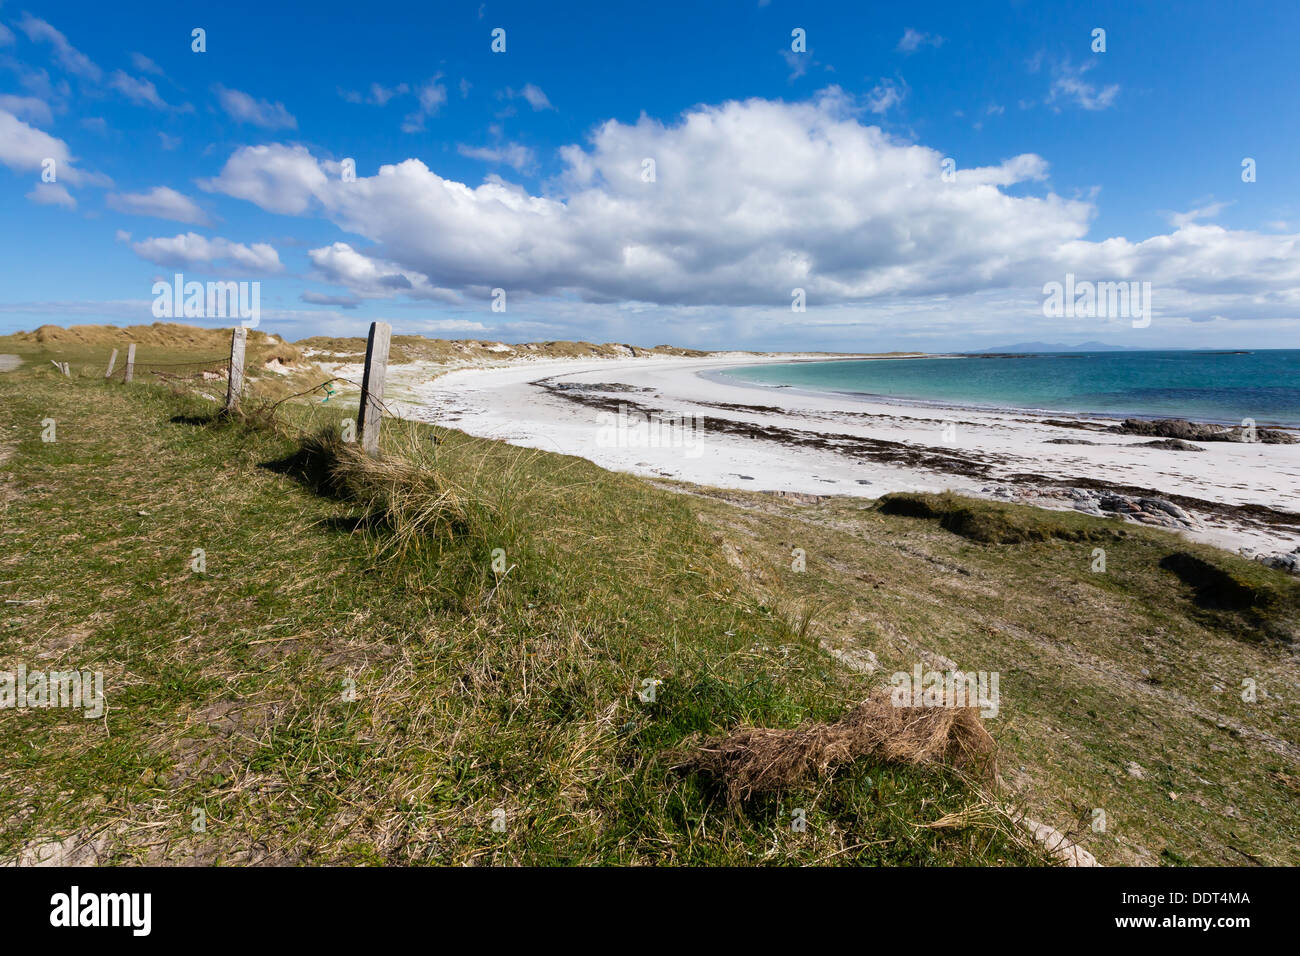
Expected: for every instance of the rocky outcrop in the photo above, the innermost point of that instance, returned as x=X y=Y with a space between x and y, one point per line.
x=1168 y=444
x=1194 y=431
x=1282 y=561
x=1152 y=511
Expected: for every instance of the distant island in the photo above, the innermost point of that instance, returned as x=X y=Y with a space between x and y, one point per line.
x=1024 y=347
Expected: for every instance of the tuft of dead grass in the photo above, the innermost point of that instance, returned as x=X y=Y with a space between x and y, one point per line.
x=415 y=504
x=756 y=760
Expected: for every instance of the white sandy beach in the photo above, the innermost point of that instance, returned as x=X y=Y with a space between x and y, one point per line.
x=779 y=443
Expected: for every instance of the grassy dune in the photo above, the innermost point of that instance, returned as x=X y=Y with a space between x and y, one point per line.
x=1122 y=690
x=93 y=343
x=166 y=350
x=417 y=348
x=350 y=680
x=326 y=696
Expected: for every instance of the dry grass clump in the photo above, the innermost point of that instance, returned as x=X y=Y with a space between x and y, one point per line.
x=757 y=760
x=166 y=336
x=414 y=504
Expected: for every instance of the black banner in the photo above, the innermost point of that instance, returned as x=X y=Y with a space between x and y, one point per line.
x=333 y=906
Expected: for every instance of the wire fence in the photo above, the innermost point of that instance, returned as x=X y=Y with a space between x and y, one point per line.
x=217 y=369
x=317 y=388
x=212 y=369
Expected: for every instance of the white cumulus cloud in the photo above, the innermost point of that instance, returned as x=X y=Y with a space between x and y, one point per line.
x=511 y=154
x=161 y=202
x=432 y=96
x=373 y=278
x=1069 y=84
x=65 y=54
x=139 y=91
x=912 y=40
x=190 y=249
x=244 y=108
x=24 y=148
x=531 y=93
x=52 y=194
x=28 y=108
x=145 y=65
x=751 y=199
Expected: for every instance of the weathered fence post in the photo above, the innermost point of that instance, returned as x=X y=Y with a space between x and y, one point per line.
x=235 y=384
x=112 y=360
x=372 y=387
x=130 y=362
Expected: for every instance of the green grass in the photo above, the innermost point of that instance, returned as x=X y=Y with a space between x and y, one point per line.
x=992 y=522
x=1150 y=661
x=351 y=681
x=332 y=688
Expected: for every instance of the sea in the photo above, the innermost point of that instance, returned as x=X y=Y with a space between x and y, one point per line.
x=1209 y=386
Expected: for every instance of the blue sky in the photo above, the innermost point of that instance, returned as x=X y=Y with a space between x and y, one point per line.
x=774 y=169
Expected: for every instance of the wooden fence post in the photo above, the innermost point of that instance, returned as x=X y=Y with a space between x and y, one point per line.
x=235 y=384
x=372 y=387
x=130 y=362
x=112 y=360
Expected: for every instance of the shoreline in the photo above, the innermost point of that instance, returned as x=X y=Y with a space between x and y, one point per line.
x=938 y=404
x=789 y=440
x=723 y=377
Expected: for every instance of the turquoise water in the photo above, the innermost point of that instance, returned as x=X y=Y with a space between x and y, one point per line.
x=1201 y=386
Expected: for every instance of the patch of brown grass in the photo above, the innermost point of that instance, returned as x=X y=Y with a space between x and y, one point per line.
x=170 y=336
x=755 y=760
x=415 y=504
